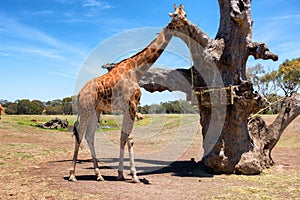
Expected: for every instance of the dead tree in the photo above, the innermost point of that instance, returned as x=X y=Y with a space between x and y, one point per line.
x=220 y=63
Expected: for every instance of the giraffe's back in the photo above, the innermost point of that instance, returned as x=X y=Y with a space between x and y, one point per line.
x=108 y=92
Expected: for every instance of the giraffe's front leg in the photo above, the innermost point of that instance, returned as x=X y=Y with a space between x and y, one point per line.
x=135 y=179
x=134 y=100
x=126 y=137
x=129 y=140
x=123 y=140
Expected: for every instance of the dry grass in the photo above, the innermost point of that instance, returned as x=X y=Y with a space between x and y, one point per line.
x=34 y=165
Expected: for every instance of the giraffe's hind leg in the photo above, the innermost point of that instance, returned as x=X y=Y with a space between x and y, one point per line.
x=90 y=138
x=79 y=131
x=72 y=170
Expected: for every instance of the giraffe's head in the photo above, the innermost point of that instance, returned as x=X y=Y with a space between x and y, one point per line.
x=178 y=15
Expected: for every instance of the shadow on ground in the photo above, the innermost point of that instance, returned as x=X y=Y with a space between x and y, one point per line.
x=149 y=167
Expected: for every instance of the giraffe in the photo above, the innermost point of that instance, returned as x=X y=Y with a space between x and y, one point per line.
x=119 y=90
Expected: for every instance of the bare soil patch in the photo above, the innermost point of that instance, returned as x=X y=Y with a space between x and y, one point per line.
x=34 y=164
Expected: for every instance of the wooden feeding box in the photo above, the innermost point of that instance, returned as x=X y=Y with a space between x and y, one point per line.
x=208 y=96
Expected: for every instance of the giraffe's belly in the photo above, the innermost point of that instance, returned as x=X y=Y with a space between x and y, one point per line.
x=112 y=105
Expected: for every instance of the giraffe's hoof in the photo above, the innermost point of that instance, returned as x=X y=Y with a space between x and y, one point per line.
x=120 y=178
x=72 y=179
x=135 y=180
x=100 y=178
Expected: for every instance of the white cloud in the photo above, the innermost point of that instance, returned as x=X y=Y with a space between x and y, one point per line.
x=92 y=7
x=16 y=29
x=289 y=50
x=35 y=37
x=40 y=12
x=295 y=16
x=19 y=51
x=4 y=54
x=100 y=5
x=39 y=52
x=62 y=74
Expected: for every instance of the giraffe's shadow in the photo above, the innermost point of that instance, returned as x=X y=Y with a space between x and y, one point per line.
x=146 y=167
x=182 y=168
x=187 y=168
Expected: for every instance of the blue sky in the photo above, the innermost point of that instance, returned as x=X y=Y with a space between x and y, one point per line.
x=44 y=45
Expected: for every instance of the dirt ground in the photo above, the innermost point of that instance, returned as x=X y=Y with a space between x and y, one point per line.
x=34 y=164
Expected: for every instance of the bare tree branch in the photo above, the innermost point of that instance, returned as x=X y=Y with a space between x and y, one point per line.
x=160 y=80
x=260 y=50
x=264 y=138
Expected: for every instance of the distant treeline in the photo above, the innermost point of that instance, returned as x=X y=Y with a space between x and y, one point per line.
x=65 y=107
x=37 y=107
x=178 y=106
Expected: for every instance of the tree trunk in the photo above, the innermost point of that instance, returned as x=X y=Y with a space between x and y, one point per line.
x=230 y=143
x=236 y=30
x=219 y=63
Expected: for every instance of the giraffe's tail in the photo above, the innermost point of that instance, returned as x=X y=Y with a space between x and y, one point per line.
x=75 y=131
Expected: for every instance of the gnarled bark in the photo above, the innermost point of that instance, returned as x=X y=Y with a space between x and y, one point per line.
x=217 y=63
x=264 y=138
x=221 y=62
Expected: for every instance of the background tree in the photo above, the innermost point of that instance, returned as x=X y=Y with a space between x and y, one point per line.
x=37 y=107
x=54 y=107
x=277 y=83
x=67 y=105
x=178 y=106
x=254 y=74
x=289 y=76
x=11 y=108
x=284 y=80
x=267 y=85
x=4 y=102
x=24 y=107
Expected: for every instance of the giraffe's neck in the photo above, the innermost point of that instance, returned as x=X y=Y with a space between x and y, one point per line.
x=191 y=32
x=143 y=60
